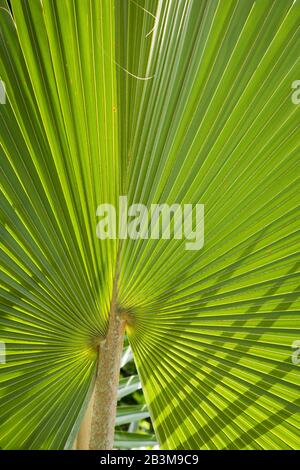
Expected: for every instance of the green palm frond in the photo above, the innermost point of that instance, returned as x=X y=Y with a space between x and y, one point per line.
x=126 y=440
x=197 y=111
x=59 y=147
x=213 y=330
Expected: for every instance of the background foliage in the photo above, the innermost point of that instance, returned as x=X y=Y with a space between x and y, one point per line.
x=133 y=425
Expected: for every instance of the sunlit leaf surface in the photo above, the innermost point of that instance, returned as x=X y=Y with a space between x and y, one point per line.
x=163 y=101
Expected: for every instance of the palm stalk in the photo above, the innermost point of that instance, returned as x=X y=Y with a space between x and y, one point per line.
x=107 y=381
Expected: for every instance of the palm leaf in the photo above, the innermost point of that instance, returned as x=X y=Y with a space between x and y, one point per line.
x=128 y=385
x=209 y=119
x=129 y=440
x=56 y=279
x=212 y=333
x=129 y=414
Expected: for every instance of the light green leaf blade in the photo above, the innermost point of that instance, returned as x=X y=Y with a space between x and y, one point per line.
x=128 y=385
x=212 y=329
x=129 y=440
x=59 y=148
x=128 y=414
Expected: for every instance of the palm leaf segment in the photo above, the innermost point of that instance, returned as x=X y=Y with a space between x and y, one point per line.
x=209 y=119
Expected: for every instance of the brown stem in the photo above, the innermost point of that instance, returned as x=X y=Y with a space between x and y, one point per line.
x=106 y=385
x=98 y=427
